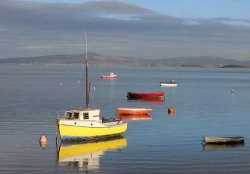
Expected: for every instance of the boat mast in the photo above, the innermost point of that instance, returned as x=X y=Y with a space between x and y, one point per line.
x=87 y=83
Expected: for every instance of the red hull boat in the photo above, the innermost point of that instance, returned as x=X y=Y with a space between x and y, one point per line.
x=133 y=111
x=110 y=76
x=149 y=95
x=134 y=117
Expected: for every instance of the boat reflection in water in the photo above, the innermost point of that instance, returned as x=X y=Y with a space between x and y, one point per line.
x=134 y=117
x=211 y=147
x=85 y=156
x=158 y=101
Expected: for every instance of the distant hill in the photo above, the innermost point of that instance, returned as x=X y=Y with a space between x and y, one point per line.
x=93 y=58
x=98 y=59
x=203 y=61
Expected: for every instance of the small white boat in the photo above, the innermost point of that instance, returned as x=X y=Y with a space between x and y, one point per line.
x=171 y=83
x=223 y=140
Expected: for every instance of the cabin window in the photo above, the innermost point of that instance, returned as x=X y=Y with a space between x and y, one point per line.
x=69 y=115
x=76 y=115
x=86 y=115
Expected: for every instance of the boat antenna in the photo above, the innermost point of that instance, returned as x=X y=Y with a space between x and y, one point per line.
x=87 y=83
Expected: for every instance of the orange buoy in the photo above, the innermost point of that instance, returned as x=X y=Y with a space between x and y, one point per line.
x=42 y=141
x=43 y=138
x=171 y=111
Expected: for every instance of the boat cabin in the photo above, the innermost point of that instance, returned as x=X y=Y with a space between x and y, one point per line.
x=173 y=81
x=83 y=114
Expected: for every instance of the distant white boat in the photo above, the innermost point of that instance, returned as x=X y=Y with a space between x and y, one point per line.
x=171 y=83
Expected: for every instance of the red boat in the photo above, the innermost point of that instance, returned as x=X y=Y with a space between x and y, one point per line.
x=133 y=111
x=134 y=117
x=149 y=95
x=110 y=76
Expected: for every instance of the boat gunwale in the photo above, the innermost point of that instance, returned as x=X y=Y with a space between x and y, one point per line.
x=106 y=125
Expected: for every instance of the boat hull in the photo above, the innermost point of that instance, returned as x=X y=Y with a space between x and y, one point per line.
x=133 y=111
x=167 y=84
x=109 y=77
x=223 y=140
x=86 y=132
x=149 y=95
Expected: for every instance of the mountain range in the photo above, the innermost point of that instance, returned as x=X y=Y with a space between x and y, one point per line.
x=98 y=59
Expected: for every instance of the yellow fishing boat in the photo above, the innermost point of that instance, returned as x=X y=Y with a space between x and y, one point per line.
x=87 y=123
x=86 y=156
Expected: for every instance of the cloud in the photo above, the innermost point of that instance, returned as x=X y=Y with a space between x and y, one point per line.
x=34 y=28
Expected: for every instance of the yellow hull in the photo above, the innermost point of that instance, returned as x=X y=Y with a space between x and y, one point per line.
x=80 y=149
x=70 y=131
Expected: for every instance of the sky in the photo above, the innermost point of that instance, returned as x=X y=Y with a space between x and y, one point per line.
x=132 y=28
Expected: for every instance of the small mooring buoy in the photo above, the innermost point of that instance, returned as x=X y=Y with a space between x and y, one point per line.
x=171 y=111
x=43 y=141
x=232 y=91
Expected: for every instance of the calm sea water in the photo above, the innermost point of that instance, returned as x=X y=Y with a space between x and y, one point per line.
x=31 y=97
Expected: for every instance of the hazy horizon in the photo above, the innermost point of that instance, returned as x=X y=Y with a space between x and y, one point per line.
x=162 y=29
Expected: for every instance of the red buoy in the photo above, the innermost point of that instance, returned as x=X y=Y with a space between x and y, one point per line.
x=171 y=111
